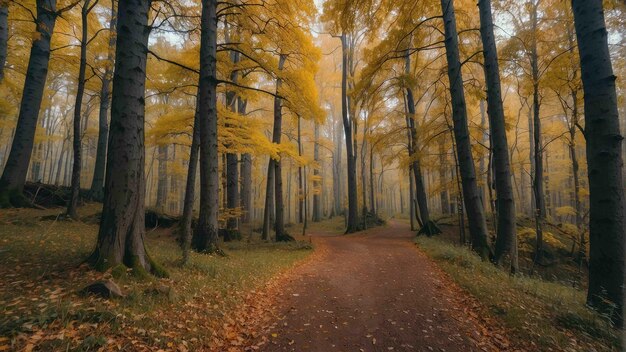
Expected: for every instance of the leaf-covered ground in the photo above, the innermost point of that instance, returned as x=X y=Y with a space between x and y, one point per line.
x=542 y=315
x=210 y=304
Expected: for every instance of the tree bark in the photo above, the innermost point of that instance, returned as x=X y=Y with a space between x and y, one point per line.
x=428 y=227
x=232 y=166
x=300 y=178
x=246 y=175
x=72 y=206
x=471 y=194
x=16 y=167
x=269 y=196
x=281 y=235
x=190 y=188
x=206 y=233
x=506 y=240
x=337 y=193
x=4 y=35
x=538 y=181
x=162 y=184
x=604 y=158
x=352 y=216
x=122 y=227
x=97 y=182
x=317 y=210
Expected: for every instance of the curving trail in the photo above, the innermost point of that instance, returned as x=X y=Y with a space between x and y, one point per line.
x=372 y=291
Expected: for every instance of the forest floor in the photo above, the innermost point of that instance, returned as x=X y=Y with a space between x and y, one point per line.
x=204 y=306
x=376 y=291
x=371 y=291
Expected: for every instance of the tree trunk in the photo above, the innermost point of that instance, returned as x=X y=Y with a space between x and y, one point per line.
x=352 y=216
x=372 y=194
x=72 y=206
x=471 y=194
x=97 y=182
x=162 y=189
x=317 y=206
x=428 y=227
x=506 y=240
x=16 y=168
x=269 y=204
x=443 y=195
x=337 y=193
x=281 y=235
x=190 y=188
x=232 y=166
x=122 y=227
x=300 y=178
x=4 y=35
x=206 y=233
x=604 y=158
x=538 y=186
x=246 y=175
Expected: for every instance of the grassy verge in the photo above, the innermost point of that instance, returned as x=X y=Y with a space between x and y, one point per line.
x=546 y=315
x=41 y=274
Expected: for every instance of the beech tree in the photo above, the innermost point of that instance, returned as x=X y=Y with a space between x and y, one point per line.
x=506 y=239
x=97 y=183
x=206 y=233
x=471 y=194
x=122 y=230
x=607 y=223
x=16 y=167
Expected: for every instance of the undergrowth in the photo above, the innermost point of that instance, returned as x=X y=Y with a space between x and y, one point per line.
x=548 y=315
x=42 y=272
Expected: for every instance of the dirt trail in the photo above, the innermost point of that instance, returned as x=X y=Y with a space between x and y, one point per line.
x=373 y=291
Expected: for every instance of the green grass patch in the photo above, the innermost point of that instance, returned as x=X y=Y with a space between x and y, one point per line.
x=550 y=314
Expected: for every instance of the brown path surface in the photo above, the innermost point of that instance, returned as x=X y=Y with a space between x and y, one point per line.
x=373 y=291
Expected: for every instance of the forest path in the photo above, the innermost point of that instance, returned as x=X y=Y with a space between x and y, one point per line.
x=371 y=291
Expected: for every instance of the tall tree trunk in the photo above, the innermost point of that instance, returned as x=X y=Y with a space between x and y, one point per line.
x=482 y=173
x=97 y=182
x=372 y=194
x=162 y=184
x=428 y=226
x=337 y=193
x=281 y=235
x=300 y=177
x=443 y=195
x=206 y=233
x=317 y=206
x=16 y=168
x=471 y=194
x=246 y=175
x=190 y=188
x=4 y=35
x=607 y=224
x=232 y=166
x=352 y=216
x=538 y=181
x=72 y=205
x=122 y=228
x=269 y=203
x=506 y=240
